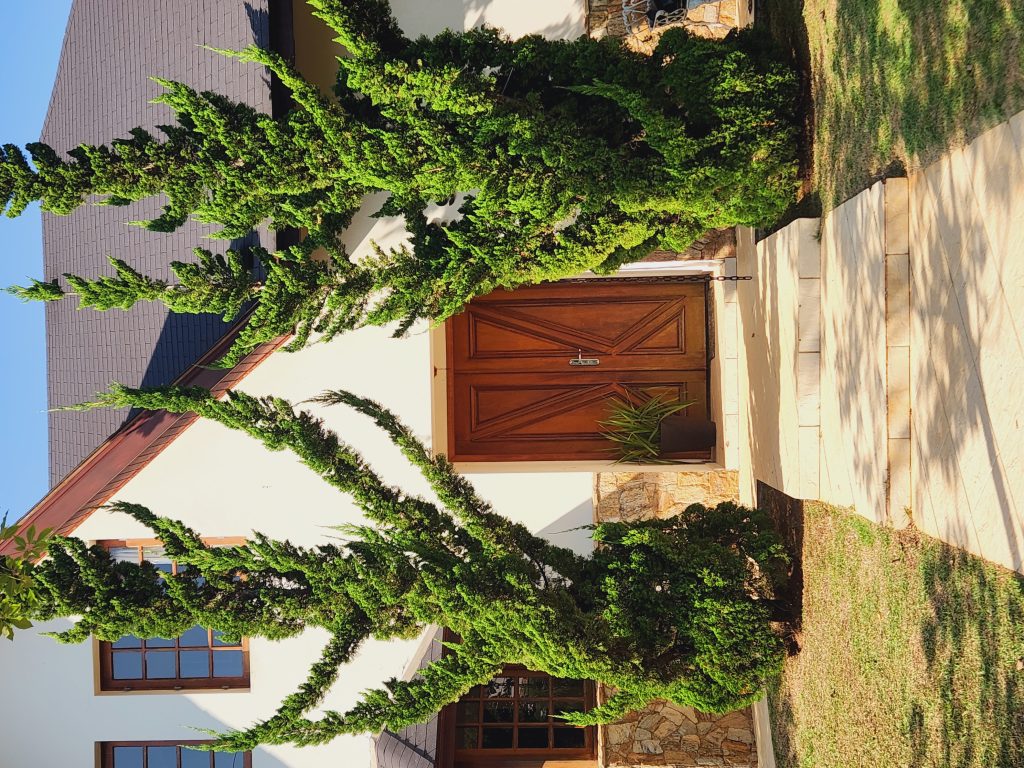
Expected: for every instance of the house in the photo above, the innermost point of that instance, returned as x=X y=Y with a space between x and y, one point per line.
x=509 y=390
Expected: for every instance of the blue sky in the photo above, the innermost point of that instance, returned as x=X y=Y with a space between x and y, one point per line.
x=28 y=58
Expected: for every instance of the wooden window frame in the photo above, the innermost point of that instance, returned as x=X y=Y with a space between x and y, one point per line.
x=107 y=684
x=451 y=757
x=105 y=751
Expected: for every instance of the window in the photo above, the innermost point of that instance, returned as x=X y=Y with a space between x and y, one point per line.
x=198 y=659
x=167 y=754
x=513 y=717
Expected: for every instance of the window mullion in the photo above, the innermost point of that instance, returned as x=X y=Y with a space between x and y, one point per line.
x=517 y=696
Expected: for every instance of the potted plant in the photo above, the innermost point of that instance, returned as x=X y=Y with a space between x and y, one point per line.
x=636 y=429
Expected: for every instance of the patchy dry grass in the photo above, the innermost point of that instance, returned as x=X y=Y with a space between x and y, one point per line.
x=897 y=82
x=910 y=654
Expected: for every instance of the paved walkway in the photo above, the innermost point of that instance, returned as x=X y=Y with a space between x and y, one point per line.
x=884 y=364
x=967 y=358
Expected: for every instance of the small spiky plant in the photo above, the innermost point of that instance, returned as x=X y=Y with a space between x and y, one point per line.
x=635 y=429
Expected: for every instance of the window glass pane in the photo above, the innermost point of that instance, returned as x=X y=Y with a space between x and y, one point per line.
x=500 y=688
x=194 y=663
x=228 y=759
x=569 y=738
x=533 y=711
x=161 y=757
x=533 y=738
x=160 y=665
x=124 y=555
x=497 y=711
x=127 y=665
x=468 y=712
x=465 y=738
x=533 y=687
x=516 y=713
x=195 y=636
x=183 y=568
x=227 y=663
x=193 y=758
x=159 y=642
x=127 y=757
x=566 y=706
x=217 y=635
x=128 y=641
x=497 y=738
x=155 y=555
x=566 y=687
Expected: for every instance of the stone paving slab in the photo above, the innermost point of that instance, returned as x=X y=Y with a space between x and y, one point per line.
x=779 y=361
x=853 y=355
x=967 y=356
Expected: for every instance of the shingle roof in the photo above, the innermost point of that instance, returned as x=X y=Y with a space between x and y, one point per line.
x=416 y=745
x=111 y=48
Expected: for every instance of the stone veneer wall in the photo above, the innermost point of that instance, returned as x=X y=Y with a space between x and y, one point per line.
x=664 y=734
x=604 y=18
x=716 y=244
x=638 y=495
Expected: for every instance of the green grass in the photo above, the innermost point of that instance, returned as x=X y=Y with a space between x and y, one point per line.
x=910 y=654
x=898 y=82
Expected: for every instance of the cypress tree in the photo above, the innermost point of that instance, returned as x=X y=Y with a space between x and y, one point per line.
x=567 y=156
x=674 y=609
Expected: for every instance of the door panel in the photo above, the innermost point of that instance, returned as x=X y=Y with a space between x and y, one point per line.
x=515 y=396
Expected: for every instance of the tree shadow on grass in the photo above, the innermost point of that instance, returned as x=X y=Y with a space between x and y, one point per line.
x=787 y=516
x=972 y=639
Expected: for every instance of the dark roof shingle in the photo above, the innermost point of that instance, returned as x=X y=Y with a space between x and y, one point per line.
x=416 y=745
x=102 y=90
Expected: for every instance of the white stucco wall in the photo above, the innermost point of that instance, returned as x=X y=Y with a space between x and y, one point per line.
x=551 y=18
x=225 y=484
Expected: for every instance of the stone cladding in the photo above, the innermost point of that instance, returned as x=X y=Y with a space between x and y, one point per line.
x=664 y=734
x=640 y=495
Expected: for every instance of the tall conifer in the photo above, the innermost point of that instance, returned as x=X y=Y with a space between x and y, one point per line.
x=566 y=156
x=677 y=609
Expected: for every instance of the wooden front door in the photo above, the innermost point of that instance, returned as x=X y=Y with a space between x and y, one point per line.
x=514 y=393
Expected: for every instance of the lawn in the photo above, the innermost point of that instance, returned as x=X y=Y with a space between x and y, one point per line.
x=911 y=654
x=894 y=83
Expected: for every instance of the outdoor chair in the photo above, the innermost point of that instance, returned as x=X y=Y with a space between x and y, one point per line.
x=645 y=15
x=652 y=13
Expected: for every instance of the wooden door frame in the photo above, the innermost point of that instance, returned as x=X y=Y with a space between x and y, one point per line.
x=439 y=414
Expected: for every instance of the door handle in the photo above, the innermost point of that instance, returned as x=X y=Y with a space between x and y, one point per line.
x=580 y=360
